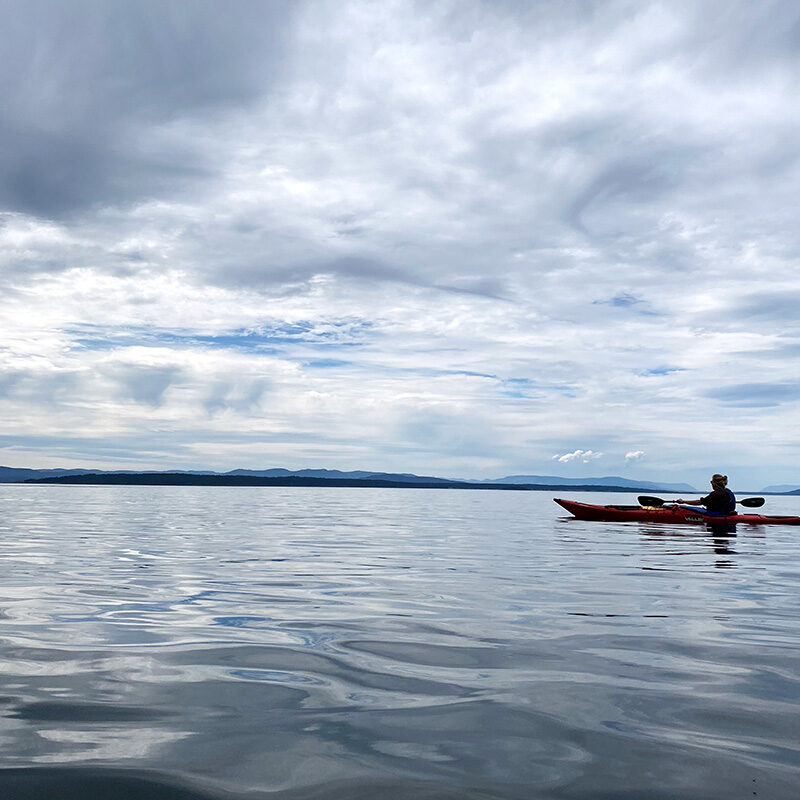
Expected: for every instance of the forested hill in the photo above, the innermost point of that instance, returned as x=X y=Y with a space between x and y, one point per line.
x=193 y=479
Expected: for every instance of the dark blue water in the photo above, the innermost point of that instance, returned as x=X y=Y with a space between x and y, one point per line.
x=182 y=642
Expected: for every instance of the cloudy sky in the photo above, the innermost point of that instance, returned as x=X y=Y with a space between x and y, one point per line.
x=456 y=238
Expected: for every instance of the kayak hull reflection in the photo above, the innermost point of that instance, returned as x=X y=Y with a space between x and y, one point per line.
x=671 y=515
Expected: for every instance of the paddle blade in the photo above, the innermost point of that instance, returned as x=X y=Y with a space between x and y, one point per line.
x=651 y=502
x=753 y=502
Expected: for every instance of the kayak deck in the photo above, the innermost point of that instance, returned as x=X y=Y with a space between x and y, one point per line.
x=672 y=514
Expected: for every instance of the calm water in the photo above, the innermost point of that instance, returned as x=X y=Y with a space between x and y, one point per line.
x=179 y=643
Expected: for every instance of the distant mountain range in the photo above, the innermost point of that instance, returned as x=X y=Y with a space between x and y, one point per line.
x=17 y=475
x=609 y=480
x=199 y=479
x=317 y=476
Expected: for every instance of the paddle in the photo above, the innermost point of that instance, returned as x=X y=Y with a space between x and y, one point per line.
x=657 y=502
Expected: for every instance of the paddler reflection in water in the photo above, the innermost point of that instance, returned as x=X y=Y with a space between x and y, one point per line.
x=720 y=503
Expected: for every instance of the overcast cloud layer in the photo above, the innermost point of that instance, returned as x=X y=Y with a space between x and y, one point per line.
x=467 y=239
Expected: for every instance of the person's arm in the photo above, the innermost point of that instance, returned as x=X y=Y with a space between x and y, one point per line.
x=700 y=502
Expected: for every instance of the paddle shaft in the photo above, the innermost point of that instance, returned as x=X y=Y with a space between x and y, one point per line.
x=657 y=502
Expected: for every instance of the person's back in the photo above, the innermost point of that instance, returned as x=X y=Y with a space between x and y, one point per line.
x=721 y=501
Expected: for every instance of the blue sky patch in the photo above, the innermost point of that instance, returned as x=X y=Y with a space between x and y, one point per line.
x=664 y=370
x=266 y=340
x=758 y=395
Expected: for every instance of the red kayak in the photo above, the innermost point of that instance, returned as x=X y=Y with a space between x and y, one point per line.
x=671 y=514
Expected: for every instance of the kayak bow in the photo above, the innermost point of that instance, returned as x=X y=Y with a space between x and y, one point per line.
x=669 y=514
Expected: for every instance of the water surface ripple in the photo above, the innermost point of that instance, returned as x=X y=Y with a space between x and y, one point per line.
x=189 y=643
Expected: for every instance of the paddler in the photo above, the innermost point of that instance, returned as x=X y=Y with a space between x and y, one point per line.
x=720 y=503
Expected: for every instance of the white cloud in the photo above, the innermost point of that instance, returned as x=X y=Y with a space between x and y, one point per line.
x=634 y=455
x=578 y=455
